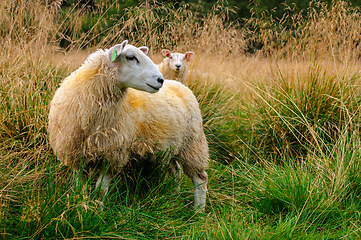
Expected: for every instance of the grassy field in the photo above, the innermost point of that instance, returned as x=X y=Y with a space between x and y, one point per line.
x=280 y=100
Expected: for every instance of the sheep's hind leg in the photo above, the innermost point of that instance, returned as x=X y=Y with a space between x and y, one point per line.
x=200 y=189
x=104 y=181
x=200 y=179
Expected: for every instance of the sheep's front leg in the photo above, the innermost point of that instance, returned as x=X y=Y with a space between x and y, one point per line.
x=176 y=170
x=200 y=190
x=79 y=178
x=104 y=181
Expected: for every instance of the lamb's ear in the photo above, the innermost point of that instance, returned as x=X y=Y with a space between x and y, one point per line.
x=144 y=49
x=166 y=53
x=189 y=55
x=114 y=52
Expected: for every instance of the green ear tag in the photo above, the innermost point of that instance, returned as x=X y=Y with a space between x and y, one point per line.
x=114 y=56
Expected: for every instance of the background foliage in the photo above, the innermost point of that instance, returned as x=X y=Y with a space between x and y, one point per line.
x=242 y=7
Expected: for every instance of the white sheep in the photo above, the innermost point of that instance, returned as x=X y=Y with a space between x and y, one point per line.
x=97 y=114
x=174 y=65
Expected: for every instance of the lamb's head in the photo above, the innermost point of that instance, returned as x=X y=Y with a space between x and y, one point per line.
x=133 y=68
x=177 y=61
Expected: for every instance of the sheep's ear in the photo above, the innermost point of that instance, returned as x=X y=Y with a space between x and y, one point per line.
x=125 y=42
x=189 y=55
x=144 y=49
x=114 y=52
x=166 y=53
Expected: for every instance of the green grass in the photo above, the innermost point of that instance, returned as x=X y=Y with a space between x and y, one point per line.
x=308 y=200
x=292 y=116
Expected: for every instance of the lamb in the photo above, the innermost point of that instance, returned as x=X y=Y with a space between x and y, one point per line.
x=118 y=104
x=174 y=65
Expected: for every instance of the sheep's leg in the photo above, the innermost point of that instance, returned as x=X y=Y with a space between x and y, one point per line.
x=200 y=189
x=195 y=161
x=79 y=178
x=104 y=181
x=176 y=170
x=200 y=179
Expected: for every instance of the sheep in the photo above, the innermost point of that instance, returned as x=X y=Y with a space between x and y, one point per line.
x=174 y=65
x=118 y=104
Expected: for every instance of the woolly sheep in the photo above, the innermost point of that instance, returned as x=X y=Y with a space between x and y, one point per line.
x=99 y=113
x=174 y=65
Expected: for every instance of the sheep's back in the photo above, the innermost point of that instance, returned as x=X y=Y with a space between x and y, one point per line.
x=168 y=118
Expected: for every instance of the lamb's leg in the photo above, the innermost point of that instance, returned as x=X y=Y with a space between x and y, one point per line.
x=104 y=181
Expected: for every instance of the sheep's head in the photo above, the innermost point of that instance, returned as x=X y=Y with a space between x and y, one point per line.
x=133 y=68
x=177 y=60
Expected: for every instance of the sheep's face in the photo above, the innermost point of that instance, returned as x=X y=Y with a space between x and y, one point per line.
x=177 y=61
x=134 y=69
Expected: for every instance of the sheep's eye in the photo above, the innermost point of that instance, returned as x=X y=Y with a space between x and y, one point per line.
x=131 y=58
x=170 y=57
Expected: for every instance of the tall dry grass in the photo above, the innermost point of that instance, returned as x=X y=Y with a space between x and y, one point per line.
x=323 y=31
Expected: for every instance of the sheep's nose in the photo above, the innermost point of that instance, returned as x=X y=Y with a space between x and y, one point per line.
x=178 y=66
x=160 y=80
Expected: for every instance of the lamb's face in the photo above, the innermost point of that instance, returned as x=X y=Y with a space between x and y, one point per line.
x=134 y=68
x=177 y=61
